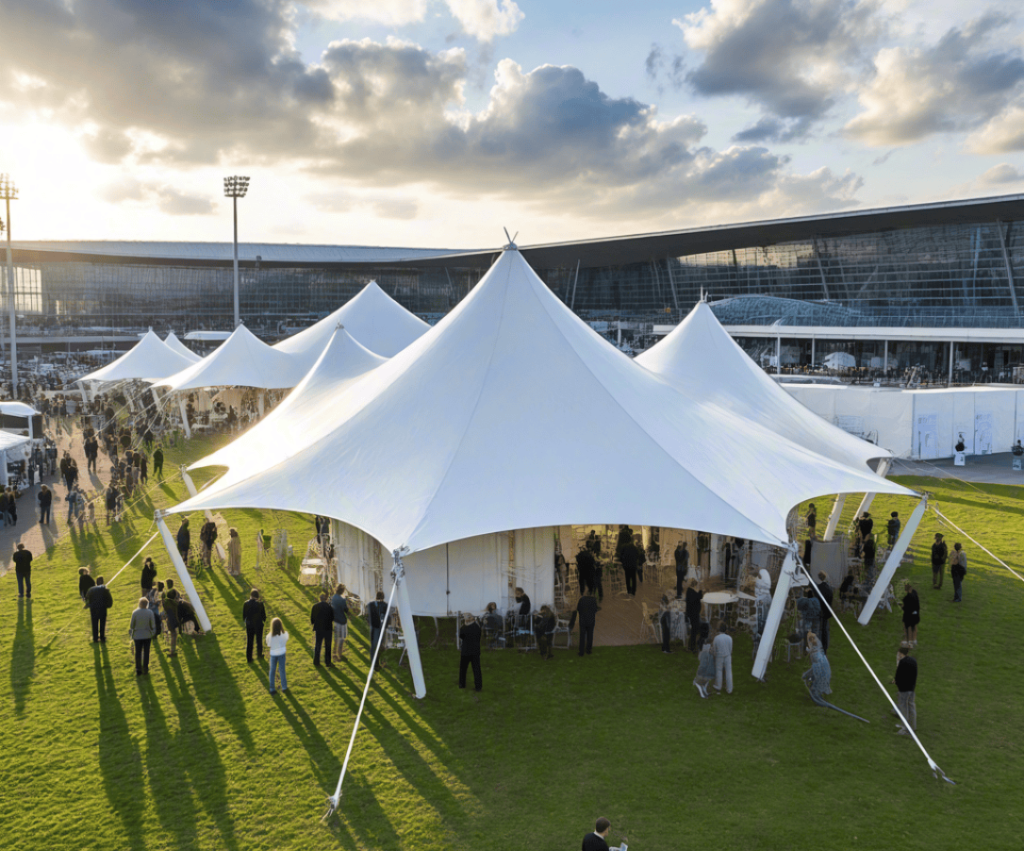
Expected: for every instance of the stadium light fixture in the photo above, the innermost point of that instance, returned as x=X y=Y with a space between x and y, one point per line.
x=9 y=192
x=235 y=187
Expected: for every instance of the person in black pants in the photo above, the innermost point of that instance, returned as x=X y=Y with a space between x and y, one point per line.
x=586 y=567
x=543 y=628
x=682 y=557
x=826 y=592
x=666 y=624
x=254 y=615
x=630 y=562
x=694 y=600
x=469 y=637
x=98 y=600
x=376 y=613
x=586 y=609
x=22 y=559
x=321 y=616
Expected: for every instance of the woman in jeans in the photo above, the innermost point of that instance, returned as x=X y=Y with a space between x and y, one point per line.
x=277 y=641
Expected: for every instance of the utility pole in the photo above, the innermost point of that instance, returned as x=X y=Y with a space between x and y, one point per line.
x=9 y=192
x=234 y=188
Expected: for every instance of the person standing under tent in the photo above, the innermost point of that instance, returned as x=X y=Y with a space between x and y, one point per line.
x=234 y=552
x=682 y=558
x=940 y=553
x=22 y=559
x=594 y=545
x=254 y=615
x=721 y=648
x=957 y=571
x=375 y=614
x=893 y=528
x=544 y=629
x=625 y=537
x=694 y=600
x=184 y=540
x=809 y=608
x=277 y=641
x=585 y=568
x=99 y=600
x=641 y=557
x=523 y=601
x=321 y=617
x=586 y=610
x=869 y=550
x=630 y=561
x=819 y=676
x=469 y=641
x=339 y=606
x=825 y=590
x=665 y=618
x=905 y=681
x=911 y=613
x=158 y=461
x=142 y=628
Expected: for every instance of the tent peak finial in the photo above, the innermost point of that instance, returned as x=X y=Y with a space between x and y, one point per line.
x=511 y=246
x=339 y=327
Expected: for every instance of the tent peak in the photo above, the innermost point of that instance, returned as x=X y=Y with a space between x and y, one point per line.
x=511 y=246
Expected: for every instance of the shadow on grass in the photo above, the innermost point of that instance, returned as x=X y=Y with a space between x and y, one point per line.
x=327 y=764
x=119 y=755
x=23 y=656
x=215 y=685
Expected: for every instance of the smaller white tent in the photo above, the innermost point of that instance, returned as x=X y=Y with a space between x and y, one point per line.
x=840 y=360
x=149 y=359
x=175 y=345
x=13 y=448
x=243 y=360
x=373 y=318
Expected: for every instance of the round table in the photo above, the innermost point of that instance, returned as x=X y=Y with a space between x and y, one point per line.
x=715 y=600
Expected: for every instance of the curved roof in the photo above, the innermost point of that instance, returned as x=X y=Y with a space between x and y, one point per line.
x=148 y=359
x=175 y=345
x=373 y=318
x=486 y=423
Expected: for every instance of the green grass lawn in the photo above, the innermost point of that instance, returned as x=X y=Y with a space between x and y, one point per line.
x=199 y=756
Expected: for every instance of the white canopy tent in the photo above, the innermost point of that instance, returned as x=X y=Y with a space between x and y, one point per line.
x=175 y=345
x=149 y=359
x=373 y=318
x=13 y=448
x=243 y=360
x=701 y=357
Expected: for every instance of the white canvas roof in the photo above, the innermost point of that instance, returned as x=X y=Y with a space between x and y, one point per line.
x=175 y=345
x=511 y=413
x=304 y=413
x=703 y=359
x=242 y=360
x=150 y=359
x=373 y=318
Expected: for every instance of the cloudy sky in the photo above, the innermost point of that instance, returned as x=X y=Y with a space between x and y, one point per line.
x=437 y=122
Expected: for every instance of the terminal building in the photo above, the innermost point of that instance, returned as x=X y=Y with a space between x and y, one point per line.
x=934 y=286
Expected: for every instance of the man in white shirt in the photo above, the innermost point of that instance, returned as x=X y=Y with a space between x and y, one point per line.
x=721 y=649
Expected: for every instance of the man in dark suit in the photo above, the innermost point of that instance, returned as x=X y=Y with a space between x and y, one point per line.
x=682 y=557
x=254 y=614
x=630 y=558
x=585 y=567
x=22 y=559
x=586 y=609
x=598 y=840
x=98 y=600
x=321 y=616
x=375 y=615
x=470 y=634
x=826 y=592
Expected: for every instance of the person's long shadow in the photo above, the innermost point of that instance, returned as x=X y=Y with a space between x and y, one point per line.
x=119 y=755
x=23 y=656
x=187 y=756
x=215 y=685
x=327 y=764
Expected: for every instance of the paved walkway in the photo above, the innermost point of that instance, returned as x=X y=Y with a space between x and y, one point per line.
x=991 y=469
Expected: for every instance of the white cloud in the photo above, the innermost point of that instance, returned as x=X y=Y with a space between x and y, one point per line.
x=484 y=20
x=1003 y=134
x=1002 y=173
x=388 y=12
x=167 y=199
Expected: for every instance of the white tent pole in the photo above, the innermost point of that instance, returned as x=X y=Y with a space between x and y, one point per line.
x=952 y=525
x=775 y=612
x=182 y=571
x=833 y=518
x=261 y=402
x=184 y=417
x=412 y=646
x=191 y=486
x=865 y=504
x=936 y=771
x=891 y=563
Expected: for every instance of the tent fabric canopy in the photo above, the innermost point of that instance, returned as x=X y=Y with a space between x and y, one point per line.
x=702 y=358
x=243 y=360
x=511 y=413
x=373 y=318
x=304 y=413
x=175 y=345
x=149 y=359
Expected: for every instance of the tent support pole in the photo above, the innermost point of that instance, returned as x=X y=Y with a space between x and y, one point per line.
x=775 y=613
x=891 y=563
x=412 y=647
x=182 y=571
x=833 y=518
x=191 y=486
x=184 y=416
x=883 y=471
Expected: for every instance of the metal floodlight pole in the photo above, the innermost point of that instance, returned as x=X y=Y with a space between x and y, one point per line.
x=9 y=192
x=234 y=188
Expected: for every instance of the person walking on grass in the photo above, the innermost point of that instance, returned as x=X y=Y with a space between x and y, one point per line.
x=277 y=641
x=376 y=612
x=170 y=603
x=939 y=554
x=85 y=582
x=23 y=570
x=705 y=669
x=321 y=616
x=721 y=648
x=184 y=540
x=339 y=605
x=234 y=553
x=148 y=576
x=905 y=681
x=254 y=615
x=586 y=610
x=98 y=600
x=158 y=462
x=469 y=640
x=911 y=613
x=142 y=628
x=957 y=571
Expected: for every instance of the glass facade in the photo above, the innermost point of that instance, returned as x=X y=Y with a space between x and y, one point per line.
x=942 y=276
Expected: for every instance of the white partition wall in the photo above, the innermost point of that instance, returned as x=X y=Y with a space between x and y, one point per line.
x=534 y=563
